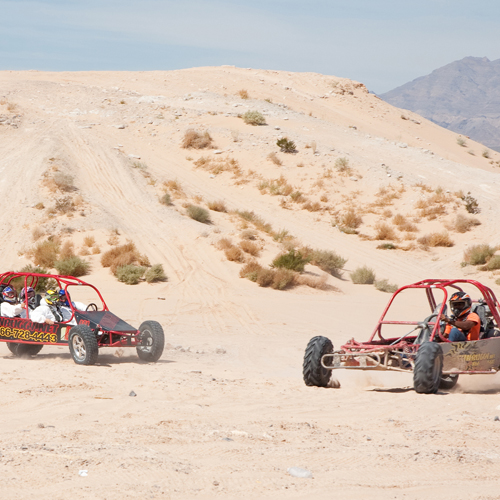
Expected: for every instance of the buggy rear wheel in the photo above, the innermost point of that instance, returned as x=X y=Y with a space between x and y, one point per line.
x=83 y=345
x=427 y=373
x=448 y=381
x=152 y=341
x=28 y=349
x=315 y=374
x=12 y=347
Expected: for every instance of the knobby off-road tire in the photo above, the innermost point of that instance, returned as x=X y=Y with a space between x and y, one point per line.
x=28 y=350
x=428 y=368
x=314 y=373
x=83 y=345
x=12 y=346
x=152 y=341
x=448 y=381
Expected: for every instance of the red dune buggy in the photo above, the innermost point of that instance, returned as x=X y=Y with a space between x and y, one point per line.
x=87 y=325
x=435 y=361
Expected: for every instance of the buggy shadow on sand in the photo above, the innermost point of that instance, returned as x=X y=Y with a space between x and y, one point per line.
x=424 y=350
x=84 y=332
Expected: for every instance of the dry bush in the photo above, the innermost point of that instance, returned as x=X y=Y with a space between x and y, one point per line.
x=326 y=260
x=155 y=273
x=174 y=186
x=283 y=278
x=123 y=255
x=478 y=254
x=67 y=250
x=463 y=223
x=363 y=276
x=385 y=232
x=89 y=241
x=386 y=196
x=129 y=274
x=37 y=233
x=234 y=254
x=298 y=197
x=243 y=94
x=433 y=212
x=250 y=248
x=436 y=240
x=224 y=244
x=257 y=221
x=318 y=282
x=312 y=207
x=59 y=181
x=274 y=158
x=276 y=187
x=403 y=224
x=65 y=205
x=265 y=277
x=45 y=253
x=217 y=206
x=385 y=286
x=166 y=199
x=351 y=219
x=198 y=214
x=254 y=118
x=96 y=250
x=493 y=264
x=248 y=234
x=219 y=165
x=84 y=251
x=195 y=140
x=251 y=270
x=324 y=198
x=342 y=165
x=113 y=240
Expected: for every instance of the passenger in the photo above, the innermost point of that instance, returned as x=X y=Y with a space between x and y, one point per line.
x=31 y=301
x=63 y=301
x=10 y=308
x=48 y=311
x=466 y=325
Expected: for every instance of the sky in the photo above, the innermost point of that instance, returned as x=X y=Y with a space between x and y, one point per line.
x=381 y=43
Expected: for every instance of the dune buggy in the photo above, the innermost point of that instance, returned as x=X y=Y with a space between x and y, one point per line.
x=84 y=331
x=435 y=362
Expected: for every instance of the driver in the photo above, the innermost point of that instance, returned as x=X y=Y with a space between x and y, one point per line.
x=10 y=308
x=465 y=324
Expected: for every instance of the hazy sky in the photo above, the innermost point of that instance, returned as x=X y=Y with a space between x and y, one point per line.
x=382 y=43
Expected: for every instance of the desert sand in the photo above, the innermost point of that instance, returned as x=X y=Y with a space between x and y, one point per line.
x=225 y=412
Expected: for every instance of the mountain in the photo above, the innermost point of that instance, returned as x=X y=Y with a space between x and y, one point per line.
x=463 y=96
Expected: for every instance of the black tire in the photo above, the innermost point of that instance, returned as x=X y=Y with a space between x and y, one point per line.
x=448 y=381
x=428 y=369
x=83 y=345
x=28 y=349
x=12 y=346
x=314 y=373
x=152 y=341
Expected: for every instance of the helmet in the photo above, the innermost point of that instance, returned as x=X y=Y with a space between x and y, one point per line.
x=9 y=295
x=63 y=298
x=460 y=304
x=31 y=296
x=51 y=297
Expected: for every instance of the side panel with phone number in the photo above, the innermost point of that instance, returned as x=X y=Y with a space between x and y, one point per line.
x=24 y=330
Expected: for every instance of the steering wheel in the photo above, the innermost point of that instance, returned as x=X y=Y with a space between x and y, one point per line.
x=439 y=333
x=91 y=307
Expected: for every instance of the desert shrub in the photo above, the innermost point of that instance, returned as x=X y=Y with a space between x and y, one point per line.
x=37 y=233
x=243 y=94
x=478 y=254
x=283 y=278
x=312 y=207
x=297 y=197
x=45 y=253
x=351 y=220
x=293 y=260
x=96 y=250
x=276 y=187
x=65 y=205
x=463 y=223
x=461 y=141
x=254 y=118
x=387 y=246
x=403 y=224
x=281 y=235
x=265 y=277
x=342 y=165
x=64 y=182
x=274 y=158
x=286 y=145
x=72 y=266
x=67 y=250
x=471 y=204
x=217 y=206
x=250 y=248
x=174 y=186
x=363 y=276
x=198 y=214
x=248 y=234
x=251 y=270
x=224 y=244
x=234 y=254
x=385 y=286
x=219 y=165
x=166 y=199
x=42 y=285
x=328 y=261
x=155 y=273
x=195 y=140
x=436 y=240
x=385 y=232
x=492 y=264
x=129 y=274
x=486 y=153
x=89 y=241
x=123 y=255
x=318 y=282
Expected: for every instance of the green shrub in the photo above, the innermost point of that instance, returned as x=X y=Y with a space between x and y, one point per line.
x=155 y=273
x=385 y=286
x=478 y=254
x=471 y=204
x=493 y=264
x=328 y=261
x=199 y=214
x=72 y=266
x=129 y=274
x=286 y=145
x=254 y=118
x=293 y=260
x=166 y=199
x=363 y=276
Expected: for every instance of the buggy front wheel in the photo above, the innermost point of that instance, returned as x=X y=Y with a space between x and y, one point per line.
x=315 y=374
x=448 y=381
x=152 y=341
x=427 y=373
x=83 y=345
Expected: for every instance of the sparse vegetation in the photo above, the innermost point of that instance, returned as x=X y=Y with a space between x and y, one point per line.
x=342 y=165
x=129 y=274
x=463 y=223
x=385 y=286
x=155 y=273
x=350 y=220
x=286 y=145
x=72 y=266
x=486 y=153
x=195 y=140
x=478 y=254
x=493 y=264
x=274 y=158
x=166 y=199
x=293 y=260
x=254 y=118
x=219 y=165
x=234 y=254
x=45 y=253
x=250 y=248
x=198 y=214
x=363 y=276
x=123 y=255
x=327 y=261
x=436 y=240
x=217 y=206
x=471 y=204
x=461 y=141
x=385 y=232
x=243 y=94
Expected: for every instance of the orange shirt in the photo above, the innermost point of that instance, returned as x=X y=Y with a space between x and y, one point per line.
x=474 y=331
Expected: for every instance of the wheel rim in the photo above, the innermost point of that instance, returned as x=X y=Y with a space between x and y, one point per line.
x=146 y=342
x=436 y=371
x=79 y=347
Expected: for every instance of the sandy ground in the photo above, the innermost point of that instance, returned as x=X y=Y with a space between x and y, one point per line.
x=225 y=413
